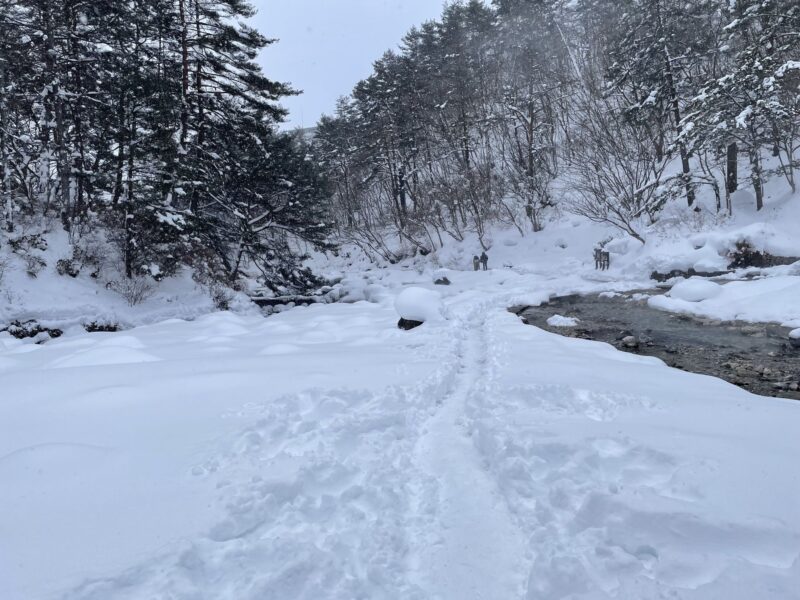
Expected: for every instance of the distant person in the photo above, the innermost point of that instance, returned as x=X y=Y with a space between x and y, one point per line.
x=485 y=261
x=476 y=263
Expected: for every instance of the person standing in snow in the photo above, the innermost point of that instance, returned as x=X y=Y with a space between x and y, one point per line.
x=476 y=262
x=485 y=261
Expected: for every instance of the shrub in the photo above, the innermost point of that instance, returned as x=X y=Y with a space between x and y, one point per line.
x=66 y=266
x=34 y=265
x=135 y=290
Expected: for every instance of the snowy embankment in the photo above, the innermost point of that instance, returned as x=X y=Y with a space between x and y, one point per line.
x=775 y=299
x=322 y=453
x=63 y=302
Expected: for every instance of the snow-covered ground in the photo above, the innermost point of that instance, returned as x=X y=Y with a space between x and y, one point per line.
x=64 y=302
x=324 y=454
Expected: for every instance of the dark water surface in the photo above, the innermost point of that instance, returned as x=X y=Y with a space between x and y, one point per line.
x=757 y=357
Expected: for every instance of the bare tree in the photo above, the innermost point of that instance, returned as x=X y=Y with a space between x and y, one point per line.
x=615 y=174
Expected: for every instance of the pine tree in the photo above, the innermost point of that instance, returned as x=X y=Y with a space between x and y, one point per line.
x=754 y=104
x=106 y=119
x=659 y=47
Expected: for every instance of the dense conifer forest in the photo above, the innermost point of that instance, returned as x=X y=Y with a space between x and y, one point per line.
x=147 y=127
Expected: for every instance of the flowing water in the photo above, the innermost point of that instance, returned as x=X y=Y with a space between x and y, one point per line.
x=757 y=357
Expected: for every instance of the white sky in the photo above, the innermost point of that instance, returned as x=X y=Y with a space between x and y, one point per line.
x=327 y=46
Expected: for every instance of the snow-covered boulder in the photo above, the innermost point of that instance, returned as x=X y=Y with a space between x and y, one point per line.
x=795 y=334
x=695 y=289
x=418 y=304
x=561 y=321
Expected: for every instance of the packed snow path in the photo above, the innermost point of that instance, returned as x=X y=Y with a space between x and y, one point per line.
x=476 y=551
x=323 y=454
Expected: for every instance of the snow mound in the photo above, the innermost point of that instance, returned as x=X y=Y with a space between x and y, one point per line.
x=418 y=304
x=769 y=300
x=695 y=289
x=764 y=237
x=561 y=321
x=795 y=334
x=743 y=198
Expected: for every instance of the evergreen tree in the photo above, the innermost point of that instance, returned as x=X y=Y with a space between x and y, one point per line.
x=117 y=117
x=755 y=103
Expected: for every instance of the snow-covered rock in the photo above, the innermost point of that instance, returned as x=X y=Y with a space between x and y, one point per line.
x=795 y=334
x=630 y=341
x=418 y=304
x=695 y=289
x=562 y=321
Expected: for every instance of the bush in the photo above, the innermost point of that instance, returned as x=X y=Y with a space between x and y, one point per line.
x=135 y=290
x=221 y=296
x=746 y=256
x=25 y=243
x=65 y=266
x=34 y=265
x=90 y=253
x=99 y=327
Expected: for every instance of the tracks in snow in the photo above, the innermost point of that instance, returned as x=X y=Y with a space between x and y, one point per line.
x=475 y=550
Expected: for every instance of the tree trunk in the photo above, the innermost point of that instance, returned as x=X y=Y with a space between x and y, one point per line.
x=122 y=124
x=757 y=177
x=5 y=162
x=129 y=193
x=401 y=188
x=184 y=74
x=732 y=170
x=79 y=160
x=45 y=152
x=198 y=84
x=676 y=111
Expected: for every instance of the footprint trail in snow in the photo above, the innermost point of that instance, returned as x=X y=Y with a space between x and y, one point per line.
x=476 y=550
x=487 y=461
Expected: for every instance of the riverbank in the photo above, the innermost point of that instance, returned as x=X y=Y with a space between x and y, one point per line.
x=759 y=357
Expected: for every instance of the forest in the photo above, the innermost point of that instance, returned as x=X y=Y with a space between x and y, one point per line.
x=147 y=131
x=515 y=112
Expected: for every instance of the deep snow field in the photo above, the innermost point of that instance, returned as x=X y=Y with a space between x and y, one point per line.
x=321 y=453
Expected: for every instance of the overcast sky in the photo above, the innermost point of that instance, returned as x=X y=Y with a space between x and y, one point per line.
x=327 y=46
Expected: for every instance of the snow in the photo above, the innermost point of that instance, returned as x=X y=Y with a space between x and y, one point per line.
x=562 y=321
x=790 y=65
x=795 y=334
x=63 y=302
x=418 y=304
x=324 y=454
x=140 y=461
x=695 y=289
x=771 y=300
x=743 y=117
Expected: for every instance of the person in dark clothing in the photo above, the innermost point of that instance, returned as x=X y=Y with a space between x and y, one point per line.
x=476 y=262
x=485 y=261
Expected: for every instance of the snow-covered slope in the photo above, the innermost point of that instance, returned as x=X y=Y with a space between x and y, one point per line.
x=323 y=453
x=682 y=239
x=62 y=301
